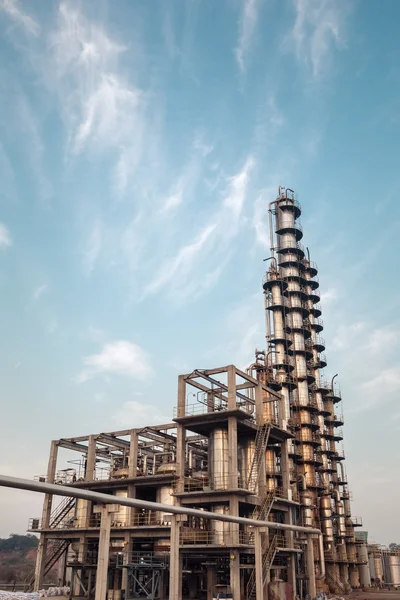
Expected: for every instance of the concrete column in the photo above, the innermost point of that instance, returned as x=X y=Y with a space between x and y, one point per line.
x=231 y=387
x=51 y=473
x=259 y=405
x=234 y=527
x=125 y=578
x=40 y=563
x=310 y=568
x=285 y=470
x=233 y=453
x=133 y=454
x=181 y=436
x=175 y=561
x=46 y=516
x=211 y=581
x=106 y=511
x=81 y=558
x=235 y=574
x=258 y=554
x=90 y=470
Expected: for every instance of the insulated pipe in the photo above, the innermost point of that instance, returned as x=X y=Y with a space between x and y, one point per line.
x=62 y=490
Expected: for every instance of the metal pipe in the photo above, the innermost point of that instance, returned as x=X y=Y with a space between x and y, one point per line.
x=334 y=377
x=62 y=490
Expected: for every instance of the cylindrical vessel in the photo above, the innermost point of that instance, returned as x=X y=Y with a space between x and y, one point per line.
x=219 y=459
x=246 y=452
x=394 y=569
x=120 y=518
x=164 y=496
x=363 y=569
x=81 y=512
x=378 y=566
x=220 y=529
x=326 y=518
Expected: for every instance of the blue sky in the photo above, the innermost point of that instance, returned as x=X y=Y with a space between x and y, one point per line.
x=140 y=145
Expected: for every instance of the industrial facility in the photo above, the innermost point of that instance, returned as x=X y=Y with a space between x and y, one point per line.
x=263 y=443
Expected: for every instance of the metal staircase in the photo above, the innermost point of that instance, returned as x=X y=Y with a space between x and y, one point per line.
x=261 y=512
x=61 y=511
x=338 y=585
x=53 y=554
x=267 y=560
x=261 y=442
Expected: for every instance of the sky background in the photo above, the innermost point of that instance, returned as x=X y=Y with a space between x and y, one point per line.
x=141 y=142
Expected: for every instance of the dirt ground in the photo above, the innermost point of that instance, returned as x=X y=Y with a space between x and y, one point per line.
x=375 y=595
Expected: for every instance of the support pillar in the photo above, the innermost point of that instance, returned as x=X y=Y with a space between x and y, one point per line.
x=235 y=574
x=211 y=581
x=233 y=453
x=76 y=587
x=181 y=436
x=310 y=568
x=46 y=516
x=106 y=511
x=125 y=578
x=258 y=554
x=175 y=561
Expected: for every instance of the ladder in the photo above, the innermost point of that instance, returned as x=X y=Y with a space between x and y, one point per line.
x=261 y=442
x=53 y=554
x=61 y=511
x=267 y=560
x=337 y=584
x=261 y=512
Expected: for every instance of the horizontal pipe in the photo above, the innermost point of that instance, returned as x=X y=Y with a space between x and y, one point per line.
x=63 y=490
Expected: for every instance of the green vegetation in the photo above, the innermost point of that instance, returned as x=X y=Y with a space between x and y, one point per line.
x=18 y=542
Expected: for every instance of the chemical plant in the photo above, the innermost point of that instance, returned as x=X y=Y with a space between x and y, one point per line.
x=263 y=443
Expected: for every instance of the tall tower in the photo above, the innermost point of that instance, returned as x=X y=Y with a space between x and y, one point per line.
x=295 y=362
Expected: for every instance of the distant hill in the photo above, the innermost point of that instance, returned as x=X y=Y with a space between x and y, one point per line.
x=17 y=557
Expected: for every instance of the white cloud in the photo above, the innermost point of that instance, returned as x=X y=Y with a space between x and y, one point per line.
x=136 y=414
x=329 y=296
x=181 y=264
x=387 y=381
x=237 y=188
x=93 y=247
x=52 y=326
x=121 y=358
x=5 y=237
x=13 y=10
x=383 y=339
x=197 y=266
x=247 y=24
x=103 y=110
x=39 y=291
x=319 y=27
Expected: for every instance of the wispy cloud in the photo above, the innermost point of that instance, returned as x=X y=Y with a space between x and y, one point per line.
x=13 y=9
x=138 y=414
x=39 y=291
x=193 y=271
x=5 y=237
x=181 y=264
x=120 y=358
x=103 y=109
x=93 y=247
x=318 y=29
x=247 y=24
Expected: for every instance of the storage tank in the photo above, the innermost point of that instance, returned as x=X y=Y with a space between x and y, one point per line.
x=219 y=459
x=394 y=569
x=164 y=496
x=220 y=529
x=246 y=452
x=81 y=512
x=120 y=518
x=378 y=566
x=326 y=518
x=363 y=569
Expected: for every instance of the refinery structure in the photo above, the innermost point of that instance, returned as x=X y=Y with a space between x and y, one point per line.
x=263 y=443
